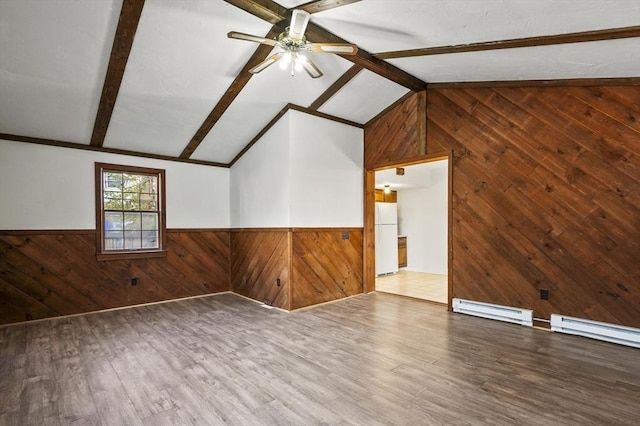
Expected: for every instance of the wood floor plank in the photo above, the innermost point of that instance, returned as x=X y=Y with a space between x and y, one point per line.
x=372 y=359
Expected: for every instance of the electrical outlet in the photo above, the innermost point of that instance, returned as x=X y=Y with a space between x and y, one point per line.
x=278 y=282
x=134 y=281
x=544 y=294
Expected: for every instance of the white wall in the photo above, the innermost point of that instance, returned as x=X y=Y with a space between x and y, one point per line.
x=326 y=172
x=260 y=182
x=45 y=187
x=306 y=171
x=422 y=217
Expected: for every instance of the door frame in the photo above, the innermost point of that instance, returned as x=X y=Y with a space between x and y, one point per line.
x=369 y=248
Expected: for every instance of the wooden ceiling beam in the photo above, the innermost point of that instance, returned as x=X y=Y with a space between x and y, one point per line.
x=335 y=87
x=579 y=37
x=322 y=5
x=85 y=147
x=267 y=10
x=232 y=92
x=122 y=42
x=577 y=82
x=366 y=60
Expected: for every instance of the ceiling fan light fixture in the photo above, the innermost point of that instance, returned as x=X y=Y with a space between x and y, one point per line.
x=299 y=21
x=293 y=42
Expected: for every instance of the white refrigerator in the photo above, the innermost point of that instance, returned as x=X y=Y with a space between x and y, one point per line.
x=386 y=221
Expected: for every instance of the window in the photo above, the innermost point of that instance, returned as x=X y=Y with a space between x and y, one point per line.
x=130 y=217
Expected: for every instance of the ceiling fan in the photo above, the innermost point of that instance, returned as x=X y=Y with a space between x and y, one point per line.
x=293 y=44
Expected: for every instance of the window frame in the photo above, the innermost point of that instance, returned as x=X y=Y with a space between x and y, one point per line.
x=101 y=253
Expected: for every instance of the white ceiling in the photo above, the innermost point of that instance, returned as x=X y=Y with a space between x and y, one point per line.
x=53 y=60
x=54 y=56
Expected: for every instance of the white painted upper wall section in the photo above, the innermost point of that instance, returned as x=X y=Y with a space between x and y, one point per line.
x=260 y=182
x=53 y=60
x=304 y=172
x=45 y=187
x=327 y=162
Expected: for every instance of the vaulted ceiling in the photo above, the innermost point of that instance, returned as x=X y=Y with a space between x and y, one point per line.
x=161 y=78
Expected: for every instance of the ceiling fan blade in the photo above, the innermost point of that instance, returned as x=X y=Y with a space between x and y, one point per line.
x=249 y=37
x=339 y=48
x=266 y=63
x=311 y=68
x=299 y=21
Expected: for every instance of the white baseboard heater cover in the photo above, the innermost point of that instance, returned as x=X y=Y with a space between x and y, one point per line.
x=622 y=335
x=496 y=312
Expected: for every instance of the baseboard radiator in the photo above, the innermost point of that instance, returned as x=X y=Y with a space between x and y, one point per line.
x=622 y=335
x=496 y=312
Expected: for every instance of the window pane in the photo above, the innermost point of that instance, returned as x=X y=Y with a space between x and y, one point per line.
x=132 y=221
x=150 y=239
x=149 y=221
x=127 y=193
x=131 y=201
x=148 y=202
x=112 y=221
x=132 y=240
x=112 y=201
x=154 y=185
x=113 y=240
x=146 y=184
x=130 y=183
x=112 y=181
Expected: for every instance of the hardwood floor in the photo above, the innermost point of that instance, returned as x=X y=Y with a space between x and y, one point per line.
x=419 y=285
x=368 y=360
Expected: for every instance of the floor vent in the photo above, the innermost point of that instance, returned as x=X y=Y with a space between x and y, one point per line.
x=622 y=335
x=496 y=312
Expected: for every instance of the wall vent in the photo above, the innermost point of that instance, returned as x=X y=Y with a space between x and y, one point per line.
x=622 y=335
x=496 y=312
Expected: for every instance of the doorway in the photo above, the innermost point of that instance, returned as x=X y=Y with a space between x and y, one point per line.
x=420 y=194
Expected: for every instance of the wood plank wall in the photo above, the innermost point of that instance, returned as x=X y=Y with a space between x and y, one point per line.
x=314 y=265
x=546 y=193
x=48 y=273
x=325 y=266
x=259 y=257
x=393 y=136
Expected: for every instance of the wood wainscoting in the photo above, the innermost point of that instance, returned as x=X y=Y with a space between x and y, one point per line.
x=51 y=273
x=259 y=258
x=313 y=265
x=546 y=185
x=326 y=265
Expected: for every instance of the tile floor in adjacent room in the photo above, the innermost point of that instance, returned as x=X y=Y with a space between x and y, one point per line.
x=419 y=285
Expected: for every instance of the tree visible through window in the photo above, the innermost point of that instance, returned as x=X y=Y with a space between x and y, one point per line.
x=131 y=214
